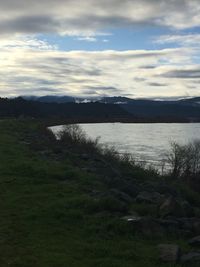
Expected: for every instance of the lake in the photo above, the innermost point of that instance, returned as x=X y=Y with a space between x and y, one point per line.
x=145 y=141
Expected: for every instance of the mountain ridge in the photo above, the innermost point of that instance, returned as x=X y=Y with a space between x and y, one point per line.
x=111 y=109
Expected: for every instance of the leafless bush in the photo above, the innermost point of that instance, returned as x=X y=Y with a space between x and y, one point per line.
x=184 y=160
x=72 y=133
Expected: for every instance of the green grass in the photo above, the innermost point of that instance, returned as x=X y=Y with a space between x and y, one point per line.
x=48 y=218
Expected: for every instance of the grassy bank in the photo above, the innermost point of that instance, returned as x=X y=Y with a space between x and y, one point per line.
x=61 y=206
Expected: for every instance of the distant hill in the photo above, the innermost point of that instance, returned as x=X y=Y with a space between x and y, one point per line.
x=51 y=99
x=105 y=109
x=182 y=109
x=79 y=111
x=115 y=100
x=106 y=100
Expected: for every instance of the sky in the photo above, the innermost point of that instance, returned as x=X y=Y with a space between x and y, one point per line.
x=94 y=48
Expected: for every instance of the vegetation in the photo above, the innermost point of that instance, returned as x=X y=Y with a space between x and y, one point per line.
x=63 y=202
x=184 y=162
x=73 y=134
x=185 y=159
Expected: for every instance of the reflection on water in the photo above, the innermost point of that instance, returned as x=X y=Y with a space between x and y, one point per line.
x=146 y=142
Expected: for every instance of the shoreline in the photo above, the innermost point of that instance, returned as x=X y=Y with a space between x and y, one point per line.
x=55 y=122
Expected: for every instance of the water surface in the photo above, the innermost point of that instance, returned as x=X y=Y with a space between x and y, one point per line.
x=145 y=141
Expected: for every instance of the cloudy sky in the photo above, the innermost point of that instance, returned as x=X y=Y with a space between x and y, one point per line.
x=146 y=48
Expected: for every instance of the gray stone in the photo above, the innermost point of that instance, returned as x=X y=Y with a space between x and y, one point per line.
x=195 y=241
x=149 y=197
x=169 y=253
x=196 y=226
x=188 y=209
x=190 y=224
x=171 y=207
x=85 y=156
x=170 y=226
x=121 y=195
x=191 y=257
x=146 y=226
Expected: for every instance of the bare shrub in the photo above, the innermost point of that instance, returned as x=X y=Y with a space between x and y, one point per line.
x=184 y=160
x=74 y=137
x=72 y=133
x=128 y=158
x=110 y=153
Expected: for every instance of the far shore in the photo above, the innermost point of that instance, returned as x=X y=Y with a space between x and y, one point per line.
x=62 y=121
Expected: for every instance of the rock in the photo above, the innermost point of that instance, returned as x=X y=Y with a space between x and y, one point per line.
x=190 y=224
x=197 y=212
x=132 y=218
x=188 y=209
x=185 y=224
x=121 y=195
x=195 y=241
x=196 y=226
x=85 y=157
x=130 y=189
x=149 y=197
x=171 y=207
x=165 y=189
x=169 y=253
x=89 y=169
x=191 y=257
x=146 y=226
x=170 y=226
x=98 y=194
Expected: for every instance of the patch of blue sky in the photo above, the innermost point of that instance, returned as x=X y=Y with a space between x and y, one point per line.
x=140 y=38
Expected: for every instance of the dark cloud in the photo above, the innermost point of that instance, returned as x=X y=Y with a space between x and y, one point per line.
x=156 y=84
x=148 y=67
x=101 y=90
x=183 y=74
x=139 y=79
x=81 y=17
x=107 y=88
x=29 y=24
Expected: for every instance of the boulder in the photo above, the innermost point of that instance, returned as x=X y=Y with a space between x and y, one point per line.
x=188 y=209
x=146 y=226
x=191 y=257
x=171 y=207
x=170 y=226
x=149 y=197
x=195 y=241
x=121 y=195
x=169 y=253
x=196 y=226
x=130 y=189
x=85 y=157
x=190 y=224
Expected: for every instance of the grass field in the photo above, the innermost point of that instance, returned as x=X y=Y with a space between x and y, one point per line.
x=50 y=218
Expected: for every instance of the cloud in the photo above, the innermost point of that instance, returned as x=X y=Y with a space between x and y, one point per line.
x=77 y=17
x=184 y=73
x=156 y=84
x=101 y=91
x=25 y=42
x=87 y=39
x=182 y=40
x=148 y=67
x=26 y=68
x=29 y=65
